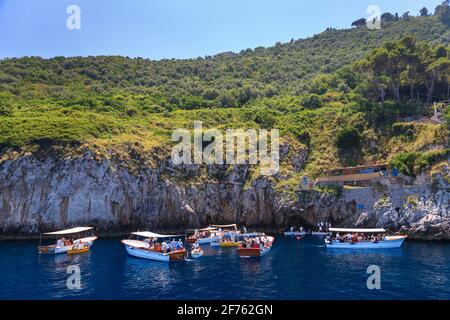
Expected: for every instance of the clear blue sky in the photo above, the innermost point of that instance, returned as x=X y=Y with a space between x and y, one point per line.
x=174 y=28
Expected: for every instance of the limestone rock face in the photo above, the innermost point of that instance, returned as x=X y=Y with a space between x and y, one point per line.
x=37 y=195
x=422 y=214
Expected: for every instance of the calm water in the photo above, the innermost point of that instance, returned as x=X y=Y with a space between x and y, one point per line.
x=293 y=270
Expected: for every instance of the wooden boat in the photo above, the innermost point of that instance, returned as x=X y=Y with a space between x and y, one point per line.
x=227 y=244
x=256 y=252
x=387 y=242
x=226 y=229
x=143 y=249
x=77 y=251
x=56 y=249
x=210 y=236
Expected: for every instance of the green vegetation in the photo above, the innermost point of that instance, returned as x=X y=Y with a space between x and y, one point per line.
x=412 y=163
x=342 y=93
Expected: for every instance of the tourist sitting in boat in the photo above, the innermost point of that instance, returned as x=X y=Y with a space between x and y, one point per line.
x=179 y=244
x=60 y=243
x=164 y=246
x=68 y=242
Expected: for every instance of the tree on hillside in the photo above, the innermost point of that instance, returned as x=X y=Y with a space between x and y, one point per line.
x=387 y=17
x=442 y=11
x=406 y=15
x=423 y=12
x=359 y=23
x=411 y=61
x=349 y=144
x=373 y=66
x=395 y=66
x=5 y=105
x=435 y=65
x=405 y=63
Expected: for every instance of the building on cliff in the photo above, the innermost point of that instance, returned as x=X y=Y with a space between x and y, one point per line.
x=361 y=176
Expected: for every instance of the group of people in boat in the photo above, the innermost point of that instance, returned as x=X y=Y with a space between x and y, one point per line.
x=258 y=242
x=357 y=237
x=323 y=226
x=70 y=242
x=63 y=242
x=165 y=246
x=294 y=229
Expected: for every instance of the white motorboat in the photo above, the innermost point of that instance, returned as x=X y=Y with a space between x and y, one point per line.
x=383 y=242
x=64 y=245
x=151 y=249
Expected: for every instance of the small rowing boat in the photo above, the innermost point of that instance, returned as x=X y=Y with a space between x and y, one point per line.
x=77 y=251
x=352 y=239
x=197 y=253
x=64 y=245
x=149 y=248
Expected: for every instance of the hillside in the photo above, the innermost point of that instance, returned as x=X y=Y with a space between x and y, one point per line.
x=122 y=107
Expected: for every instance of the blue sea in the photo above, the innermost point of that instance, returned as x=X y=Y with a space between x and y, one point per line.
x=294 y=269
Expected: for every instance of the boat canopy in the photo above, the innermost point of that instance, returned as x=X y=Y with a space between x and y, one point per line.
x=225 y=226
x=380 y=230
x=148 y=234
x=207 y=229
x=69 y=231
x=251 y=234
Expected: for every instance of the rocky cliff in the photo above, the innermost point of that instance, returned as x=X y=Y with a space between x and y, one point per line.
x=38 y=194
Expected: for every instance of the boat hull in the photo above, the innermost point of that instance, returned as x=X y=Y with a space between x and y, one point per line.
x=294 y=233
x=78 y=251
x=196 y=255
x=228 y=244
x=392 y=242
x=321 y=234
x=207 y=240
x=143 y=253
x=252 y=252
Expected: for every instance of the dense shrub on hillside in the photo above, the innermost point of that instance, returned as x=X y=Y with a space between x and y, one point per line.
x=413 y=163
x=348 y=139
